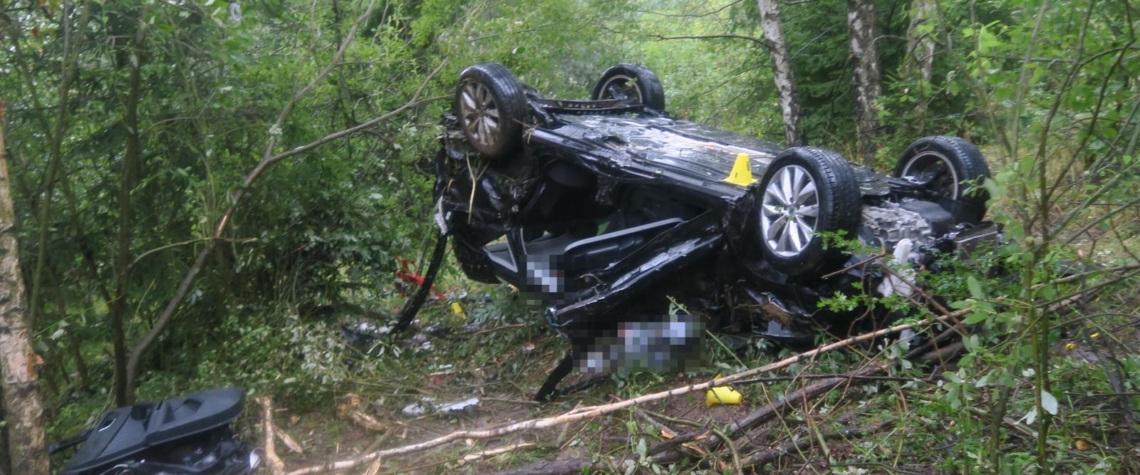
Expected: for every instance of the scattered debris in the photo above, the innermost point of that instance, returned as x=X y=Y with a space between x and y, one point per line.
x=428 y=405
x=582 y=413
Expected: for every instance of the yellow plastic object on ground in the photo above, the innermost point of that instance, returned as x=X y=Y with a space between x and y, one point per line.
x=458 y=309
x=723 y=395
x=741 y=171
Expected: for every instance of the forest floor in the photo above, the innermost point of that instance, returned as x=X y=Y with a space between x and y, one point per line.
x=896 y=423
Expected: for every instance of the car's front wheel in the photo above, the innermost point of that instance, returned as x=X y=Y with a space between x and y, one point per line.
x=809 y=195
x=491 y=105
x=631 y=82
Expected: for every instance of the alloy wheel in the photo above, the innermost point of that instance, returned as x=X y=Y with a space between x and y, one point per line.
x=480 y=113
x=790 y=211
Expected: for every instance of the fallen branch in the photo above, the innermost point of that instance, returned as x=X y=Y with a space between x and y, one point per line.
x=791 y=401
x=374 y=468
x=849 y=377
x=490 y=453
x=760 y=459
x=941 y=355
x=670 y=435
x=366 y=421
x=276 y=466
x=667 y=451
x=289 y=441
x=594 y=411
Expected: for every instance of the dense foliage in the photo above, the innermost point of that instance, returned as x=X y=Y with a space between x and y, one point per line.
x=132 y=126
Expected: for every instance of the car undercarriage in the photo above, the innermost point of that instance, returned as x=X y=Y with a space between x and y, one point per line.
x=608 y=211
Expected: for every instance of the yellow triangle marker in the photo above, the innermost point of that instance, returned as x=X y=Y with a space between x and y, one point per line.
x=741 y=171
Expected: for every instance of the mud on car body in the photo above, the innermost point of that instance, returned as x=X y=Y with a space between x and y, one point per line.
x=606 y=208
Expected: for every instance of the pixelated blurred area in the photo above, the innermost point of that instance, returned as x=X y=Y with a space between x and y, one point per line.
x=653 y=343
x=545 y=276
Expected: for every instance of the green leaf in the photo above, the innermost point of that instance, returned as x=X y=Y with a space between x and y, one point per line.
x=975 y=317
x=975 y=287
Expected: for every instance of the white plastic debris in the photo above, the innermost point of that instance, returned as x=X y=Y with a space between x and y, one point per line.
x=897 y=284
x=429 y=405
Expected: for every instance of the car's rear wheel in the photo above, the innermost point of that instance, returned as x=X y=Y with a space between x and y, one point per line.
x=807 y=193
x=631 y=82
x=491 y=105
x=948 y=167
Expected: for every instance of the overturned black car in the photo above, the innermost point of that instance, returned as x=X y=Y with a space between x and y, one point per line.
x=604 y=208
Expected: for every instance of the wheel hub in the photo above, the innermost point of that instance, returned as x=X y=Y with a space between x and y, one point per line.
x=480 y=113
x=789 y=211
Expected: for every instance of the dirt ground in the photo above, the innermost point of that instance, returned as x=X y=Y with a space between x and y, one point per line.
x=502 y=365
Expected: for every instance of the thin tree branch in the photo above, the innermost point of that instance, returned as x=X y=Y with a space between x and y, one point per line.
x=183 y=243
x=686 y=15
x=55 y=153
x=268 y=160
x=188 y=280
x=758 y=41
x=768 y=456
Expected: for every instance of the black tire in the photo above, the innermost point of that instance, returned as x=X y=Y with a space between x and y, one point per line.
x=630 y=81
x=491 y=106
x=785 y=223
x=952 y=166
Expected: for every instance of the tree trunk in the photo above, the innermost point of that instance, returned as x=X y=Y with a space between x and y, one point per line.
x=17 y=362
x=132 y=158
x=865 y=56
x=773 y=28
x=919 y=66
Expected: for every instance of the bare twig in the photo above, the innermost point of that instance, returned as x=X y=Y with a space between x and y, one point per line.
x=375 y=467
x=849 y=377
x=791 y=401
x=183 y=243
x=768 y=456
x=732 y=450
x=667 y=451
x=366 y=421
x=763 y=43
x=490 y=453
x=857 y=264
x=665 y=430
x=288 y=440
x=504 y=327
